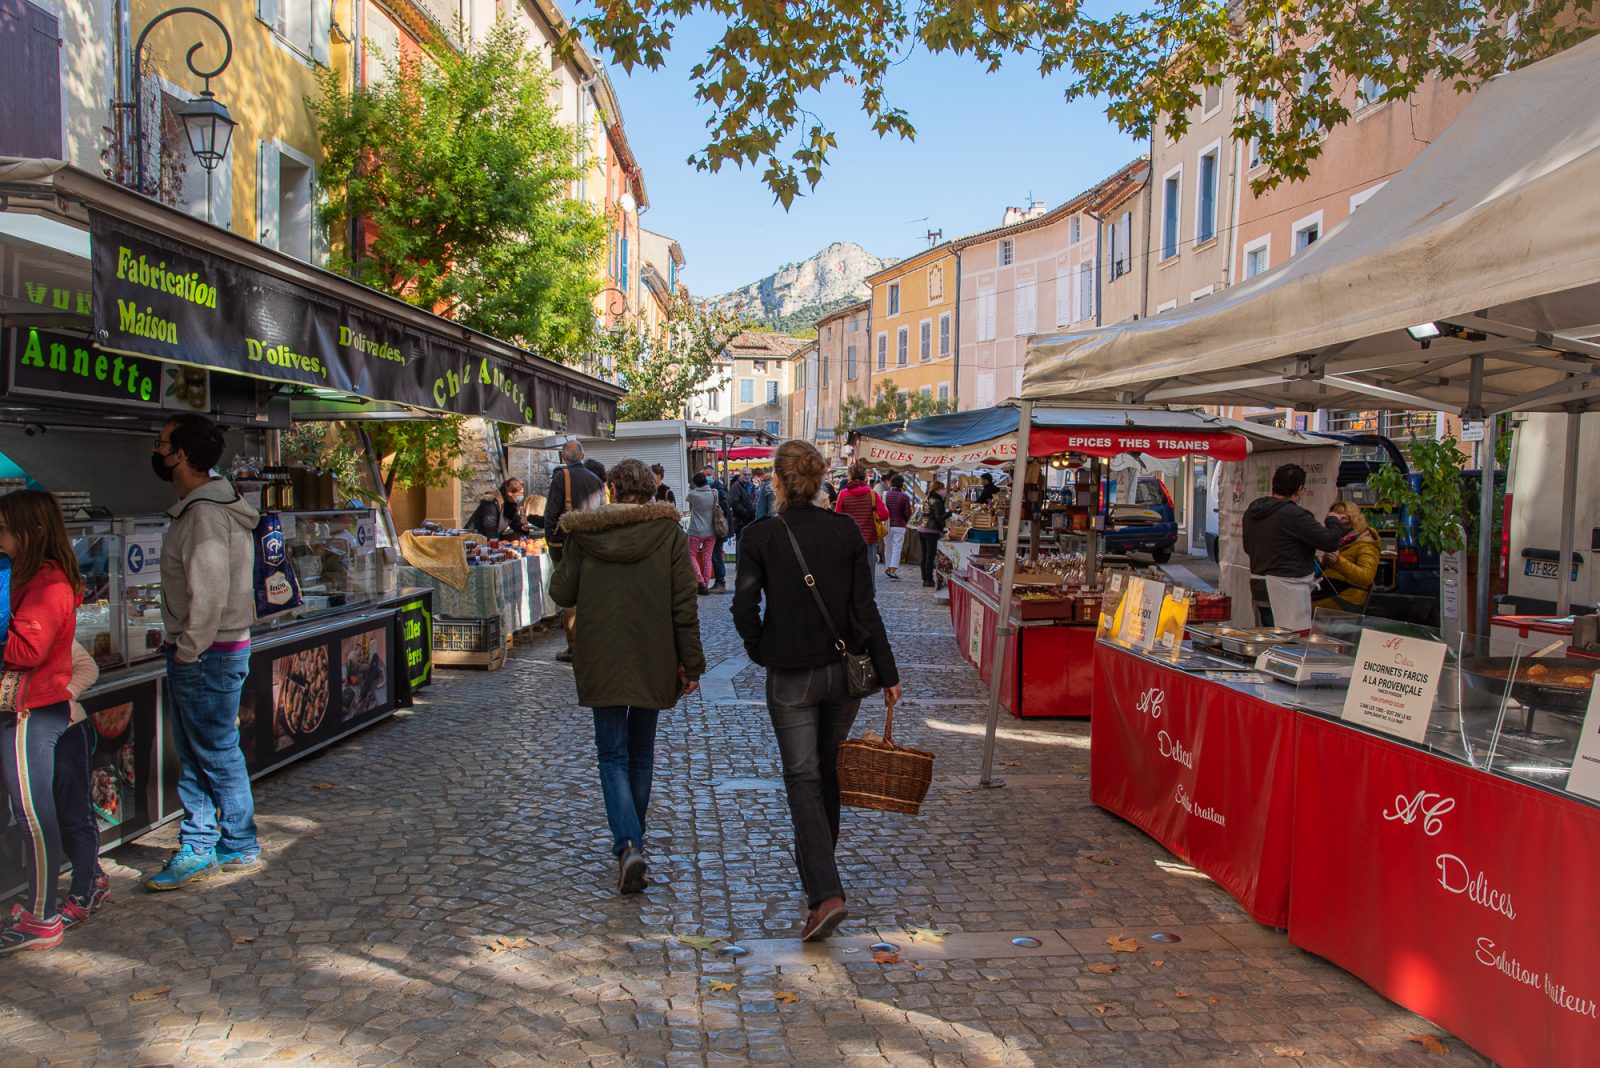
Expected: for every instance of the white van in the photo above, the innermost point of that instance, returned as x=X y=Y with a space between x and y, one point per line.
x=1533 y=516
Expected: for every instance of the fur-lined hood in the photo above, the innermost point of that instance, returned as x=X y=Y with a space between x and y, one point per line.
x=623 y=533
x=611 y=516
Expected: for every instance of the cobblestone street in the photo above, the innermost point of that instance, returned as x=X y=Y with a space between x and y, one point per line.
x=438 y=892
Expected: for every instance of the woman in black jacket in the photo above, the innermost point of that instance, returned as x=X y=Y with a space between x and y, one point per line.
x=934 y=518
x=806 y=696
x=500 y=515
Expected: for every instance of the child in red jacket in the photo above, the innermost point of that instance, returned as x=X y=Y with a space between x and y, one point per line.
x=45 y=591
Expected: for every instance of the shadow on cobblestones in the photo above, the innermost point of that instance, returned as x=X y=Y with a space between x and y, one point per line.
x=439 y=892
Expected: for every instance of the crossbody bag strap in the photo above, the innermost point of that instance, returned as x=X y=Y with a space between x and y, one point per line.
x=811 y=584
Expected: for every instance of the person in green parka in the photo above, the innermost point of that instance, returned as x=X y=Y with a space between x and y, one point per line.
x=637 y=649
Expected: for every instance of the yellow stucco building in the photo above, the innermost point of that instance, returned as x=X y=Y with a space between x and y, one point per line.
x=265 y=189
x=913 y=325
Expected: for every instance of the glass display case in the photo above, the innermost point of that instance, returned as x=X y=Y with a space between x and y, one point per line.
x=339 y=557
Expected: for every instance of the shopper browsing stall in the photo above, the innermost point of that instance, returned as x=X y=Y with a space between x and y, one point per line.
x=45 y=592
x=208 y=605
x=1282 y=540
x=931 y=529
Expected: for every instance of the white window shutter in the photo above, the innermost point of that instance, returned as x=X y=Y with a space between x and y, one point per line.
x=319 y=226
x=267 y=194
x=267 y=11
x=1063 y=298
x=222 y=195
x=321 y=30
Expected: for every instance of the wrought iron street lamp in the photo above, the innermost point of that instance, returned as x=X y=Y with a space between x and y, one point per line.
x=205 y=119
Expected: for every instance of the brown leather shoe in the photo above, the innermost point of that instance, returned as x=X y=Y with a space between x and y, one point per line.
x=825 y=917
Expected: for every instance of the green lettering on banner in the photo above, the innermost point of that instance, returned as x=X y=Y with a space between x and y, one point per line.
x=146 y=324
x=71 y=368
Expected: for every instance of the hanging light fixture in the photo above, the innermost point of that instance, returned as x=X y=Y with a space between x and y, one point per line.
x=210 y=129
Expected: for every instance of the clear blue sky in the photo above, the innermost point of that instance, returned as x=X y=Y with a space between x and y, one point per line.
x=983 y=141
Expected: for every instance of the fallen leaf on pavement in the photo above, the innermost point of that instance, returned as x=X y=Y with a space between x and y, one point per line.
x=1182 y=994
x=244 y=940
x=151 y=993
x=1091 y=893
x=1101 y=1010
x=1215 y=1001
x=785 y=997
x=1431 y=1044
x=1009 y=763
x=1288 y=1051
x=883 y=956
x=1122 y=944
x=718 y=986
x=916 y=967
x=925 y=934
x=1110 y=862
x=505 y=942
x=701 y=942
x=1158 y=964
x=322 y=786
x=1101 y=968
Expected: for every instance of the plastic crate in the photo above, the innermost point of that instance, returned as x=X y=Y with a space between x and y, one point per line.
x=457 y=635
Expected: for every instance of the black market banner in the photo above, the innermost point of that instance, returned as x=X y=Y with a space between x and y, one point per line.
x=159 y=297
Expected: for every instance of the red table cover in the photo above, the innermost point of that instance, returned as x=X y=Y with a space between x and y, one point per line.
x=1203 y=769
x=1466 y=898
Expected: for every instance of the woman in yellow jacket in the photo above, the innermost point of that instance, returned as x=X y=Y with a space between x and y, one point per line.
x=1348 y=573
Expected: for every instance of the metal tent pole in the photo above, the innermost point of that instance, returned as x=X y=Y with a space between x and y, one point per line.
x=1569 y=496
x=1003 y=628
x=1486 y=507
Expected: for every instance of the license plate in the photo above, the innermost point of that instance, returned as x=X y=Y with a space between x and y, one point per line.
x=1544 y=569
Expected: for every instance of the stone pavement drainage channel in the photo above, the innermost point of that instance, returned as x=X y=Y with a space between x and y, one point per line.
x=993 y=945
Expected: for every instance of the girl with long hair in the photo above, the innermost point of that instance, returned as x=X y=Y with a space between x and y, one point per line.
x=35 y=694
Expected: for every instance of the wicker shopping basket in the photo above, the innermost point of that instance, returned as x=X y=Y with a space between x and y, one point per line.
x=876 y=773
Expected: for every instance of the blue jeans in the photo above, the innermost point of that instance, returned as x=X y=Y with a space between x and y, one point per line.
x=719 y=566
x=213 y=783
x=625 y=739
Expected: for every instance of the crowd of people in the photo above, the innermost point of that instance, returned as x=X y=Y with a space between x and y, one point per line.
x=628 y=575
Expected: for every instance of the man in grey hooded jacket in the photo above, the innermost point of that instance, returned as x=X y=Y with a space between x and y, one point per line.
x=207 y=606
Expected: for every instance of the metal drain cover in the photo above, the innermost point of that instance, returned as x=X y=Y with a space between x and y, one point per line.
x=1026 y=942
x=884 y=947
x=1165 y=936
x=733 y=951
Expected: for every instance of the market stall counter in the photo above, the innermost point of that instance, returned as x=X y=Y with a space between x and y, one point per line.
x=1424 y=819
x=311 y=683
x=1056 y=658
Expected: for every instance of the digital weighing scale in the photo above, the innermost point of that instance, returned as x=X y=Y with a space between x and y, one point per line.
x=1308 y=665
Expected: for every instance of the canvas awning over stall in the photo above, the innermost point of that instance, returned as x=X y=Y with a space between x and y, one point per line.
x=1492 y=232
x=91 y=271
x=989 y=436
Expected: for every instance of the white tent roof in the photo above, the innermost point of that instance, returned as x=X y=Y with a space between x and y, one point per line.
x=1495 y=228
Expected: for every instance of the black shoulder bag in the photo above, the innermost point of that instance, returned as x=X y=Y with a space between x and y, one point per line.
x=860 y=677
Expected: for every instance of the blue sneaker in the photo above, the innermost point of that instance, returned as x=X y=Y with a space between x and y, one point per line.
x=185 y=867
x=240 y=862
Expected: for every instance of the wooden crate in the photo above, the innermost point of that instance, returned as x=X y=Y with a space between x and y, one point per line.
x=491 y=660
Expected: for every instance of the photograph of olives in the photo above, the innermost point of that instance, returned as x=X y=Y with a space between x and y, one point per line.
x=188 y=388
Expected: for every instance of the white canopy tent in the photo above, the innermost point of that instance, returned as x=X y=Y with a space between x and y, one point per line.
x=1492 y=234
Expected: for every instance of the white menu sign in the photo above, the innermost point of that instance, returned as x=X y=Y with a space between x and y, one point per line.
x=1394 y=683
x=1141 y=612
x=1585 y=777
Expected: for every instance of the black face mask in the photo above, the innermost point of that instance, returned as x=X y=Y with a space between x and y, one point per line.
x=158 y=464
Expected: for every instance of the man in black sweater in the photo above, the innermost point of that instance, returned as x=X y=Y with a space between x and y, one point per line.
x=1282 y=540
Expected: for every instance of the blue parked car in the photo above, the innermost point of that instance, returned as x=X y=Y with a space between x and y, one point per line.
x=1149 y=524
